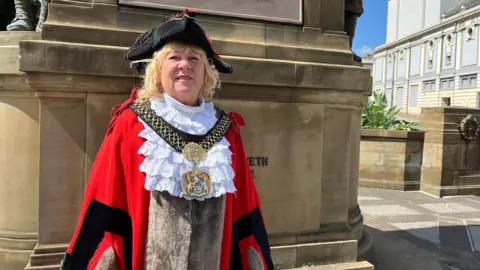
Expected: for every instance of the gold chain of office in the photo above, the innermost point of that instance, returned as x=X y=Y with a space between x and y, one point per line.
x=144 y=111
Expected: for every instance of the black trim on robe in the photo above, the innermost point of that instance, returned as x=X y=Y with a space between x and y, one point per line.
x=244 y=227
x=98 y=219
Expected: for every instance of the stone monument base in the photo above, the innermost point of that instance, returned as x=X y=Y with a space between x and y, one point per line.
x=450 y=164
x=296 y=86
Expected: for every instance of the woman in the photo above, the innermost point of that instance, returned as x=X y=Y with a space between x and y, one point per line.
x=171 y=187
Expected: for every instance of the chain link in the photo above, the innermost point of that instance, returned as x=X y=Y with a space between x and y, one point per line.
x=171 y=136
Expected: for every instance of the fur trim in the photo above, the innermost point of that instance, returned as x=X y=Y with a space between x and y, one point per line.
x=254 y=260
x=107 y=261
x=179 y=232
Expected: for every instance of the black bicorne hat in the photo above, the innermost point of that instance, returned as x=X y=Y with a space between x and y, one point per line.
x=182 y=28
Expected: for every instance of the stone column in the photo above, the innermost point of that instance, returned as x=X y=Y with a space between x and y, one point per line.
x=18 y=177
x=98 y=116
x=61 y=174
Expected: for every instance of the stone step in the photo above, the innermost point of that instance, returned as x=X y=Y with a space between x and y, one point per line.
x=46 y=259
x=13 y=259
x=473 y=179
x=43 y=267
x=86 y=34
x=363 y=265
x=9 y=38
x=50 y=248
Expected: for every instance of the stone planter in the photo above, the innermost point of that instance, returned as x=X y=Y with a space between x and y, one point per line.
x=391 y=159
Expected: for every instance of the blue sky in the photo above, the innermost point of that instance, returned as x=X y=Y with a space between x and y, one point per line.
x=371 y=27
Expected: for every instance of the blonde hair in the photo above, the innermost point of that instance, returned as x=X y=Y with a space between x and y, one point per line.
x=152 y=85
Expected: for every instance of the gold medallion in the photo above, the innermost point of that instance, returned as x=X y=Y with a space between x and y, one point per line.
x=194 y=152
x=196 y=184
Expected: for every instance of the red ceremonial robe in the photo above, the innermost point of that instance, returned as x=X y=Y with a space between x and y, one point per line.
x=115 y=210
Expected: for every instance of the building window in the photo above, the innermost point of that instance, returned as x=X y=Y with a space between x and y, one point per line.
x=413 y=97
x=388 y=93
x=399 y=97
x=429 y=86
x=447 y=83
x=468 y=81
x=446 y=101
x=401 y=54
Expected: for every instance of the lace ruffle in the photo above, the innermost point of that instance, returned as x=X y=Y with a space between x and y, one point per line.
x=164 y=167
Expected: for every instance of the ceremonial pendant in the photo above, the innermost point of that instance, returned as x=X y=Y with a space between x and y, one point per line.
x=196 y=184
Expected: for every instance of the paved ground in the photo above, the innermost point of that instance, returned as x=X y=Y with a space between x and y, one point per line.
x=416 y=231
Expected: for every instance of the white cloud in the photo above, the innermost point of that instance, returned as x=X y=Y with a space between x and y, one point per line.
x=364 y=50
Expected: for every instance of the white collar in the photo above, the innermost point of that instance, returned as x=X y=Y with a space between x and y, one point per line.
x=172 y=102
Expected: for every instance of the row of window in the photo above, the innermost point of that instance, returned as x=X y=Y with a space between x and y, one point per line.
x=446 y=45
x=399 y=94
x=466 y=81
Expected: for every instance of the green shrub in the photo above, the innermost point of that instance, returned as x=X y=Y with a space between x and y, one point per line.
x=378 y=115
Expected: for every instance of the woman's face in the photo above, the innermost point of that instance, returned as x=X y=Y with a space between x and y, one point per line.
x=183 y=75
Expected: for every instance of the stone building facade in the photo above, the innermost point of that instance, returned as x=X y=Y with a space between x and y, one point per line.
x=431 y=57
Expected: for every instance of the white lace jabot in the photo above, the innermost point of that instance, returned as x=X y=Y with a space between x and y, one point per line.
x=164 y=166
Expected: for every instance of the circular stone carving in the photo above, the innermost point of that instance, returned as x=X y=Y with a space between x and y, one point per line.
x=469 y=128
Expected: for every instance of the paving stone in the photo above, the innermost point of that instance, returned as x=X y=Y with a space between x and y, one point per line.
x=368 y=198
x=410 y=219
x=442 y=208
x=424 y=230
x=454 y=235
x=388 y=210
x=378 y=202
x=476 y=254
x=473 y=198
x=462 y=216
x=474 y=232
x=473 y=221
x=413 y=217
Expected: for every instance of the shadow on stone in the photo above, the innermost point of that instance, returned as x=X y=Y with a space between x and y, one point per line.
x=415 y=249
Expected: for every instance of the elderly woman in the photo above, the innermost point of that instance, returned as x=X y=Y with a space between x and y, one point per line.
x=170 y=187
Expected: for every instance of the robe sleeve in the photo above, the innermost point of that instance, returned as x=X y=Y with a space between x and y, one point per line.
x=104 y=225
x=250 y=249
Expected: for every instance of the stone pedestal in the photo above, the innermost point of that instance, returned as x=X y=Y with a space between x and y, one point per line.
x=297 y=87
x=450 y=165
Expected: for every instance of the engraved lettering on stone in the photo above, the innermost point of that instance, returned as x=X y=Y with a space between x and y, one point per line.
x=256 y=162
